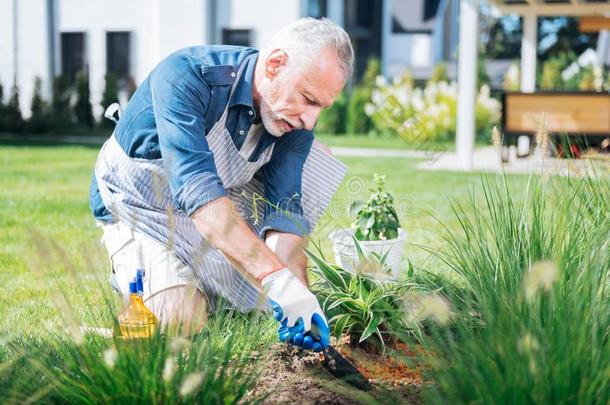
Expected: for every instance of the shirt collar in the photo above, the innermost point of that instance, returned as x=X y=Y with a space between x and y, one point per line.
x=243 y=91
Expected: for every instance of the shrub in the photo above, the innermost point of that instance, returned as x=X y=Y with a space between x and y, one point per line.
x=377 y=219
x=332 y=120
x=439 y=73
x=357 y=121
x=534 y=328
x=110 y=95
x=552 y=78
x=551 y=75
x=131 y=87
x=482 y=76
x=13 y=120
x=417 y=115
x=82 y=106
x=512 y=78
x=40 y=120
x=61 y=108
x=2 y=108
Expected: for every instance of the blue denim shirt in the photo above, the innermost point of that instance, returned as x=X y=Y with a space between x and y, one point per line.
x=173 y=109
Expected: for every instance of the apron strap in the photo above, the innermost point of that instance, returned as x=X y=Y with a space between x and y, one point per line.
x=113 y=109
x=239 y=73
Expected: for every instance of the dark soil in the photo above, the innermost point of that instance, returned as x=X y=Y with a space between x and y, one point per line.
x=290 y=375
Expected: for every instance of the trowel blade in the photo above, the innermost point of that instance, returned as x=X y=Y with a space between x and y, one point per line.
x=341 y=368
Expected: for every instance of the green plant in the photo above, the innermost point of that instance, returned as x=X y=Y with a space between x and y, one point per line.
x=552 y=69
x=61 y=108
x=534 y=323
x=366 y=304
x=110 y=95
x=332 y=120
x=2 y=107
x=40 y=120
x=423 y=116
x=65 y=364
x=357 y=122
x=82 y=106
x=72 y=368
x=439 y=73
x=13 y=120
x=512 y=77
x=376 y=219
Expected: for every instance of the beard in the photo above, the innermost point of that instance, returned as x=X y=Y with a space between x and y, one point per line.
x=271 y=119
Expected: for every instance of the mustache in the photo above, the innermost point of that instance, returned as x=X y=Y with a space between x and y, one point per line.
x=292 y=124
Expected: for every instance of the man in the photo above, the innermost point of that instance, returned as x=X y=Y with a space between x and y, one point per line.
x=210 y=182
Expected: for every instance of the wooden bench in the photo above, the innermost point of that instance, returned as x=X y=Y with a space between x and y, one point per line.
x=583 y=117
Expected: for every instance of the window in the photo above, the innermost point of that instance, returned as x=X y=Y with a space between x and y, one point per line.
x=236 y=37
x=73 y=58
x=316 y=8
x=118 y=54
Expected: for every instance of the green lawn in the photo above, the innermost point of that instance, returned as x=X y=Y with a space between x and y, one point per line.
x=386 y=142
x=48 y=239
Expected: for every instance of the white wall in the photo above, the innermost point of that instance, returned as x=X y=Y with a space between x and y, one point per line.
x=6 y=45
x=408 y=50
x=32 y=57
x=158 y=27
x=264 y=17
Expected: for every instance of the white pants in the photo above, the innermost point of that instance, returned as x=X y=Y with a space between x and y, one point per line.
x=171 y=290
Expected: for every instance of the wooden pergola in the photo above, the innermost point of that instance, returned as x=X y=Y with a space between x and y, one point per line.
x=595 y=11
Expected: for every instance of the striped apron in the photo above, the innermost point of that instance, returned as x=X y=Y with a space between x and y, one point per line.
x=136 y=192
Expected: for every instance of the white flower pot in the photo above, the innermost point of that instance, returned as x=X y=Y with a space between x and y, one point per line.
x=345 y=250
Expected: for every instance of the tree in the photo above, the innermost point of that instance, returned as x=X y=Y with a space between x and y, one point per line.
x=82 y=106
x=13 y=120
x=2 y=125
x=40 y=119
x=110 y=95
x=61 y=109
x=563 y=36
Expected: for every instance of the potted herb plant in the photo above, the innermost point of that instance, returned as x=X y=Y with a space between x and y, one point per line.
x=376 y=228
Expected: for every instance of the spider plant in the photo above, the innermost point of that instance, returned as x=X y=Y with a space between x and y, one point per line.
x=365 y=304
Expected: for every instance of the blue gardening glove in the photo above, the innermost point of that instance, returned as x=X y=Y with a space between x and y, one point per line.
x=302 y=321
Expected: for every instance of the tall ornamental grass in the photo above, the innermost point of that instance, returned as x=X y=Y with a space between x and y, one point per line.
x=214 y=367
x=532 y=323
x=77 y=361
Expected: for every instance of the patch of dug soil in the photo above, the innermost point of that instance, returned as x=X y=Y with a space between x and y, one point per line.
x=388 y=368
x=290 y=375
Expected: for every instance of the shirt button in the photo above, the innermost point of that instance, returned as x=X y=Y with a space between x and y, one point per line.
x=241 y=131
x=251 y=112
x=233 y=74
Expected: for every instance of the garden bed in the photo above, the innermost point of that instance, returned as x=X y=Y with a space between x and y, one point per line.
x=290 y=375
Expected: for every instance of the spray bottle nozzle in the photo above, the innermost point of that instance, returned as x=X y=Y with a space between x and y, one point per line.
x=139 y=281
x=133 y=287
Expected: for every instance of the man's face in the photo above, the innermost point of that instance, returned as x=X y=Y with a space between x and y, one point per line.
x=292 y=97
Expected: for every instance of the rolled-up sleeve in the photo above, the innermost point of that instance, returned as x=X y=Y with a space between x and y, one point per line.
x=283 y=177
x=179 y=98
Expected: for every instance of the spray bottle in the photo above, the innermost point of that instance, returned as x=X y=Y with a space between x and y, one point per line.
x=137 y=321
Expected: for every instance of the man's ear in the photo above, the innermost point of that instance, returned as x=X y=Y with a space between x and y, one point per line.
x=276 y=59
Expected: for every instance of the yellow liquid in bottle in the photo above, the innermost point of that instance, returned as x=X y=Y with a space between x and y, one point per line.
x=137 y=321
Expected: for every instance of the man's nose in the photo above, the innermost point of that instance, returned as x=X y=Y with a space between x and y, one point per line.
x=309 y=117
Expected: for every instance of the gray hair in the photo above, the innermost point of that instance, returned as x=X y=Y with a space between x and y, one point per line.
x=306 y=37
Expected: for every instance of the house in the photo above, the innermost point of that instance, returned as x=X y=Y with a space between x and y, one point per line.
x=48 y=38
